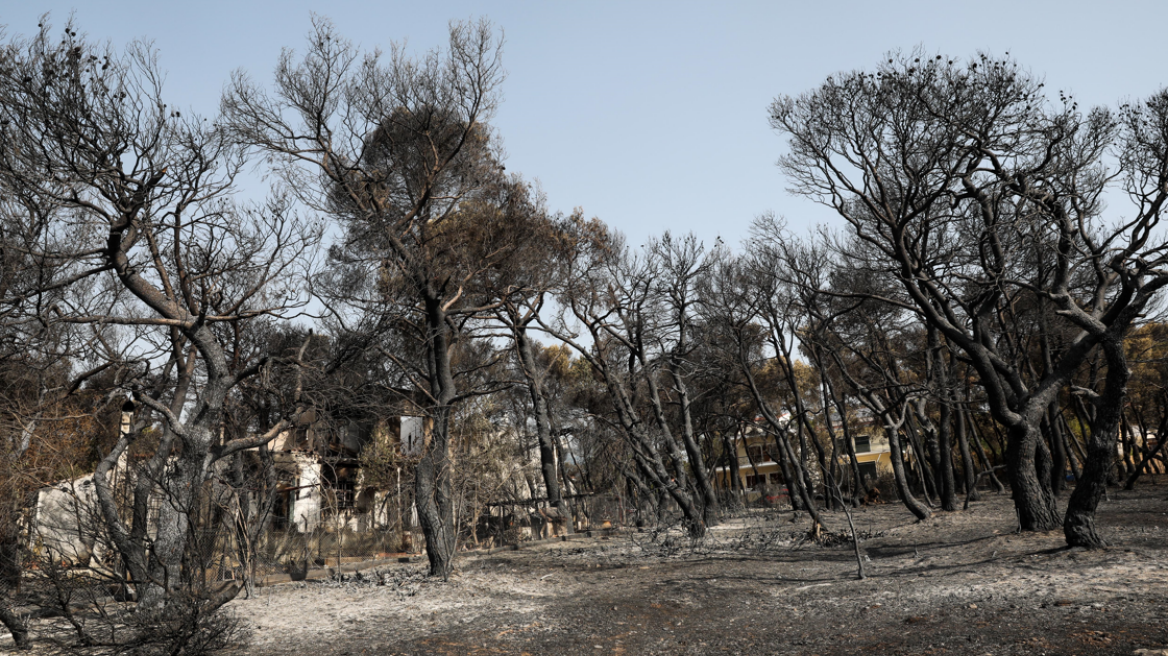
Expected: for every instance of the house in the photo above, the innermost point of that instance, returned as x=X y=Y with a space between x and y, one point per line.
x=759 y=472
x=65 y=524
x=873 y=455
x=321 y=487
x=322 y=483
x=755 y=465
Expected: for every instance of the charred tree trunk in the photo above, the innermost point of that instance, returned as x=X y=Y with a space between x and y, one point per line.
x=967 y=469
x=860 y=489
x=849 y=448
x=948 y=480
x=693 y=452
x=921 y=458
x=651 y=465
x=792 y=474
x=1033 y=499
x=943 y=462
x=182 y=481
x=1079 y=522
x=796 y=480
x=1058 y=478
x=1072 y=447
x=919 y=510
x=798 y=484
x=543 y=432
x=165 y=566
x=435 y=499
x=985 y=456
x=643 y=441
x=433 y=485
x=688 y=497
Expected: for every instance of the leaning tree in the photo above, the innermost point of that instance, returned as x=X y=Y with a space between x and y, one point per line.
x=614 y=313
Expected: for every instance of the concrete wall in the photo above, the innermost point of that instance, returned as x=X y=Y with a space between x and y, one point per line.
x=306 y=501
x=65 y=524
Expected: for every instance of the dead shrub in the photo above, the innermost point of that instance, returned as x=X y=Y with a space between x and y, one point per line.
x=190 y=624
x=93 y=613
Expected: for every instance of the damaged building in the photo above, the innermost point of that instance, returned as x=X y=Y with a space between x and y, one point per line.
x=322 y=482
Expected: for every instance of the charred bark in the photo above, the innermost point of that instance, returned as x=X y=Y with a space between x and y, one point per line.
x=968 y=476
x=1079 y=522
x=919 y=510
x=547 y=447
x=1033 y=499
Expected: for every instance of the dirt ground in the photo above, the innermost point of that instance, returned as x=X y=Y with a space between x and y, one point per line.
x=962 y=583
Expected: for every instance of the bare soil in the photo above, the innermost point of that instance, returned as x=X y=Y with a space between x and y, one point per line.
x=962 y=583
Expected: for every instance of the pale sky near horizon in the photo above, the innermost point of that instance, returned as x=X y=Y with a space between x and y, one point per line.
x=650 y=115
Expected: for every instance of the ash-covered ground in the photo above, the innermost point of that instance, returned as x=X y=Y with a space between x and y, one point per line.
x=962 y=583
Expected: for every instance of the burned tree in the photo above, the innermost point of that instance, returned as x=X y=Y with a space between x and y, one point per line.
x=398 y=150
x=976 y=191
x=523 y=287
x=743 y=302
x=610 y=295
x=154 y=263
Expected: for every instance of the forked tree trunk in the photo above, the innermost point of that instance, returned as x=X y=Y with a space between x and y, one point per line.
x=693 y=451
x=1033 y=500
x=798 y=486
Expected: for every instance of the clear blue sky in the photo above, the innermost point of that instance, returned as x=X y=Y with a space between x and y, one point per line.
x=651 y=115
